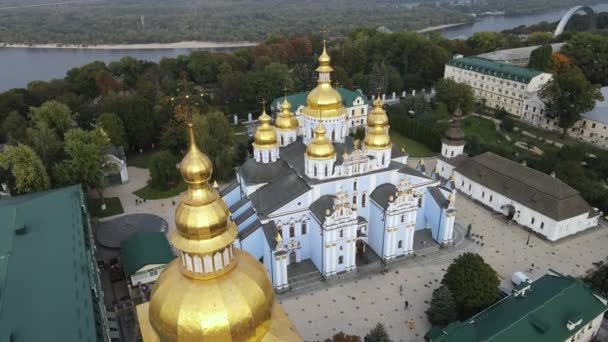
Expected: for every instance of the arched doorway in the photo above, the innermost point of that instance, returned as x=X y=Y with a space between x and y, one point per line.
x=361 y=257
x=508 y=211
x=292 y=257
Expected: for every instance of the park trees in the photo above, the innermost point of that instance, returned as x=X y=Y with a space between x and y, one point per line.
x=455 y=95
x=342 y=337
x=26 y=170
x=568 y=95
x=55 y=115
x=163 y=170
x=113 y=126
x=378 y=334
x=215 y=137
x=442 y=309
x=12 y=129
x=473 y=284
x=540 y=58
x=589 y=52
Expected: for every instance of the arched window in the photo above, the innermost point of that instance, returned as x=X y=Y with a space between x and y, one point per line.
x=355 y=186
x=333 y=135
x=325 y=170
x=312 y=133
x=363 y=200
x=400 y=244
x=292 y=231
x=303 y=227
x=315 y=171
x=340 y=260
x=383 y=159
x=198 y=264
x=341 y=232
x=282 y=140
x=355 y=199
x=260 y=154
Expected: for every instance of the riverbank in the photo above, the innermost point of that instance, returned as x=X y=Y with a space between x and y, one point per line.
x=148 y=46
x=440 y=27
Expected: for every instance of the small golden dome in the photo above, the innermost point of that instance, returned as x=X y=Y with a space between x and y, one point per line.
x=265 y=136
x=237 y=306
x=320 y=148
x=377 y=117
x=376 y=138
x=286 y=120
x=324 y=97
x=196 y=166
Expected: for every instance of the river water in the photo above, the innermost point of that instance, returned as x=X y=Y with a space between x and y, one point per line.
x=19 y=66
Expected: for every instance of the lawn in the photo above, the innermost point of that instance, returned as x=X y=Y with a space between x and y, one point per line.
x=141 y=160
x=113 y=207
x=412 y=147
x=150 y=193
x=482 y=128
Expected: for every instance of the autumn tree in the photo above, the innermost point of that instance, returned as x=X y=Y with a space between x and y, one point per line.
x=26 y=170
x=569 y=94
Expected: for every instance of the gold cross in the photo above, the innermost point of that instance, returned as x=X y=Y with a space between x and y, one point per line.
x=184 y=109
x=285 y=90
x=324 y=32
x=337 y=84
x=263 y=104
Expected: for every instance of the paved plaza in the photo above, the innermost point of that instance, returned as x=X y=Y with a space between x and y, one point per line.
x=355 y=303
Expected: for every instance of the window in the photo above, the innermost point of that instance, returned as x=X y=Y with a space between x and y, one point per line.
x=315 y=171
x=469 y=187
x=462 y=183
x=312 y=134
x=340 y=247
x=341 y=232
x=355 y=186
x=340 y=260
x=303 y=228
x=400 y=244
x=402 y=218
x=490 y=198
x=325 y=170
x=361 y=111
x=355 y=199
x=452 y=154
x=533 y=220
x=363 y=197
x=292 y=231
x=483 y=194
x=542 y=225
x=260 y=154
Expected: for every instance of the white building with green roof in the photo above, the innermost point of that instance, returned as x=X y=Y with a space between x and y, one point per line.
x=354 y=101
x=49 y=282
x=499 y=85
x=554 y=308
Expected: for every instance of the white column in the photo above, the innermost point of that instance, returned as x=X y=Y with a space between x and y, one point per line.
x=249 y=117
x=235 y=119
x=353 y=252
x=383 y=97
x=394 y=95
x=284 y=270
x=403 y=94
x=414 y=92
x=277 y=271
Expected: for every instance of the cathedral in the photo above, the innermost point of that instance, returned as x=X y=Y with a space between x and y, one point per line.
x=312 y=192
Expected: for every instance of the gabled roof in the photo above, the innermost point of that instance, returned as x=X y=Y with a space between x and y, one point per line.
x=538 y=191
x=491 y=68
x=541 y=314
x=270 y=233
x=321 y=205
x=299 y=99
x=254 y=172
x=438 y=197
x=145 y=248
x=278 y=193
x=381 y=194
x=47 y=269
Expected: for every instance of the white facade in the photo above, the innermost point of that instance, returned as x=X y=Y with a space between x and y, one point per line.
x=147 y=274
x=336 y=128
x=499 y=89
x=266 y=155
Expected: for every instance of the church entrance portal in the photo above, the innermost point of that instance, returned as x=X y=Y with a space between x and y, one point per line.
x=292 y=257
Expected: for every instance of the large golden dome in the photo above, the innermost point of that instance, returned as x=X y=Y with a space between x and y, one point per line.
x=324 y=97
x=286 y=121
x=377 y=128
x=265 y=136
x=212 y=291
x=320 y=148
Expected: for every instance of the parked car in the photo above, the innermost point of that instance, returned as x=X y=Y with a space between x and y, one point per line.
x=519 y=277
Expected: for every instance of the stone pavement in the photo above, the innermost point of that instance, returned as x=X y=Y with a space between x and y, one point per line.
x=354 y=307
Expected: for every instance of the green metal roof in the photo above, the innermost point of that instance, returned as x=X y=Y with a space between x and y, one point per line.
x=145 y=248
x=489 y=67
x=540 y=315
x=299 y=99
x=47 y=269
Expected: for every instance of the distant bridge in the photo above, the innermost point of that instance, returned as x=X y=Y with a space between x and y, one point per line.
x=562 y=23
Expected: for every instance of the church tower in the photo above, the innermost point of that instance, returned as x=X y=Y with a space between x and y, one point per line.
x=212 y=291
x=377 y=141
x=452 y=146
x=320 y=155
x=328 y=100
x=286 y=124
x=265 y=145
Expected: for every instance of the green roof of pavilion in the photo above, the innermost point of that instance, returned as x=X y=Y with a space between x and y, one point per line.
x=299 y=99
x=145 y=248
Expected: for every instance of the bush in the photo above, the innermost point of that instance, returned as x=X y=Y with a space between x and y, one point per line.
x=507 y=124
x=163 y=171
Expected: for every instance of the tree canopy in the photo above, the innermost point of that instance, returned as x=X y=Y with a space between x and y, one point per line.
x=455 y=95
x=215 y=137
x=163 y=170
x=540 y=58
x=378 y=334
x=27 y=171
x=114 y=128
x=442 y=309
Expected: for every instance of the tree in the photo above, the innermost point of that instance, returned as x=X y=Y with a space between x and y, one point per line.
x=540 y=38
x=455 y=95
x=13 y=127
x=45 y=142
x=86 y=162
x=589 y=52
x=568 y=95
x=55 y=115
x=163 y=171
x=442 y=309
x=342 y=337
x=174 y=137
x=473 y=284
x=540 y=58
x=215 y=137
x=378 y=334
x=113 y=126
x=27 y=172
x=507 y=124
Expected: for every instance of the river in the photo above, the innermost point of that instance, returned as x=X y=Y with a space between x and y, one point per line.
x=19 y=66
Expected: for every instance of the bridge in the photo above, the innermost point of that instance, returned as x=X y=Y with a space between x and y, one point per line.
x=562 y=23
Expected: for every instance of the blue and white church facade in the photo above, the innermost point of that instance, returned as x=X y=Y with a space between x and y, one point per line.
x=353 y=204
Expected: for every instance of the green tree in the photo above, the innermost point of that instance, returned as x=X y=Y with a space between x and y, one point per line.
x=83 y=80
x=342 y=337
x=174 y=137
x=27 y=172
x=55 y=115
x=163 y=170
x=540 y=58
x=86 y=163
x=507 y=124
x=568 y=95
x=215 y=137
x=378 y=334
x=455 y=95
x=473 y=284
x=589 y=52
x=13 y=127
x=46 y=143
x=442 y=309
x=540 y=38
x=113 y=126
x=134 y=110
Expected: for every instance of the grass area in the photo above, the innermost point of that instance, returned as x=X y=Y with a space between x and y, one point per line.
x=482 y=128
x=141 y=160
x=412 y=147
x=113 y=207
x=150 y=193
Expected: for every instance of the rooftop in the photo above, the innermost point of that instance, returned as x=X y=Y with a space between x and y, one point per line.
x=600 y=111
x=515 y=54
x=145 y=248
x=541 y=314
x=299 y=99
x=47 y=270
x=492 y=68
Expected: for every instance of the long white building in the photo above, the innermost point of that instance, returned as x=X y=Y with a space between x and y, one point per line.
x=538 y=201
x=499 y=85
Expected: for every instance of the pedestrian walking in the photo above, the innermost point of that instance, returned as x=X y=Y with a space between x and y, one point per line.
x=407 y=305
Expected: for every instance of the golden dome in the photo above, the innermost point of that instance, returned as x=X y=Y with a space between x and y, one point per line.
x=320 y=148
x=286 y=120
x=324 y=97
x=265 y=136
x=231 y=302
x=238 y=306
x=377 y=128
